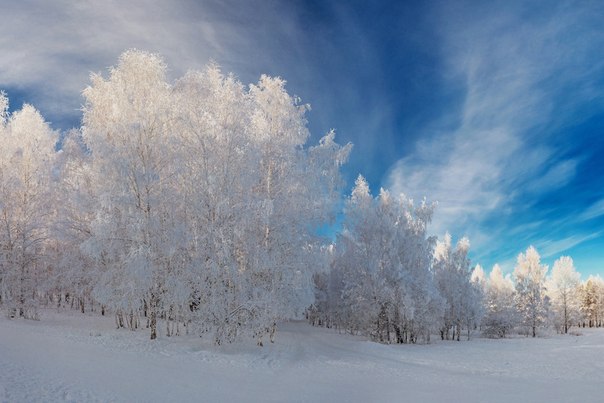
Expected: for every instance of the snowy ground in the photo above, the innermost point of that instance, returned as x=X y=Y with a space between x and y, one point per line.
x=73 y=357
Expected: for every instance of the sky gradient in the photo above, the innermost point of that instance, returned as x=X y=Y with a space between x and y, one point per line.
x=493 y=109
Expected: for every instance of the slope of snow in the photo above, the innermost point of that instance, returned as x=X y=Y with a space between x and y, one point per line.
x=79 y=358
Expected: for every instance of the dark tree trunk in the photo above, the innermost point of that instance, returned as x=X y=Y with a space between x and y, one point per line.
x=398 y=333
x=153 y=316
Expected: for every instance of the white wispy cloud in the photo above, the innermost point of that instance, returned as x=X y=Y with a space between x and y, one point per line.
x=522 y=77
x=593 y=211
x=554 y=248
x=556 y=176
x=49 y=48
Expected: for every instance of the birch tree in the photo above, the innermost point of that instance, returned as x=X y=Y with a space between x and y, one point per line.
x=127 y=127
x=26 y=209
x=531 y=299
x=75 y=203
x=463 y=298
x=500 y=308
x=563 y=288
x=592 y=301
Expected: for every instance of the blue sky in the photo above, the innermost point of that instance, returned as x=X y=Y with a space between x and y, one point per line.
x=493 y=109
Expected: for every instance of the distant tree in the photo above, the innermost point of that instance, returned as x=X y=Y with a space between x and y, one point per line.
x=479 y=278
x=592 y=301
x=500 y=309
x=480 y=285
x=531 y=299
x=463 y=298
x=563 y=288
x=599 y=281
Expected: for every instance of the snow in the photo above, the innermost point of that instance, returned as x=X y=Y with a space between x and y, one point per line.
x=73 y=357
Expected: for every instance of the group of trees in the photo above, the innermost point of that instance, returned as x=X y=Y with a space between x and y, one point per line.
x=591 y=302
x=196 y=203
x=391 y=281
x=531 y=300
x=379 y=280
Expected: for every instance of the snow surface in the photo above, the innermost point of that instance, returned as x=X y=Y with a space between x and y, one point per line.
x=80 y=358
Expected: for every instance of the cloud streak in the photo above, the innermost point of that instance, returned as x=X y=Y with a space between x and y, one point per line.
x=551 y=248
x=49 y=48
x=594 y=211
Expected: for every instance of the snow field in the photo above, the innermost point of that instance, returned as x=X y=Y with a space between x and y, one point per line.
x=78 y=358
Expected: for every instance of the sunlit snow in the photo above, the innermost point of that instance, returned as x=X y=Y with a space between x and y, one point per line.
x=80 y=358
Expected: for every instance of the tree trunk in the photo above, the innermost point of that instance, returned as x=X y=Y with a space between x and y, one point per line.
x=565 y=318
x=153 y=316
x=398 y=334
x=119 y=319
x=273 y=331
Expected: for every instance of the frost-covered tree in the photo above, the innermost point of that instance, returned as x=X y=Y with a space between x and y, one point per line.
x=26 y=207
x=381 y=278
x=480 y=284
x=531 y=299
x=127 y=128
x=75 y=203
x=207 y=197
x=599 y=288
x=592 y=301
x=3 y=108
x=255 y=194
x=563 y=289
x=463 y=298
x=479 y=278
x=500 y=308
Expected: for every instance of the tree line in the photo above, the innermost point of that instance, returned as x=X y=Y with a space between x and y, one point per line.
x=389 y=280
x=196 y=204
